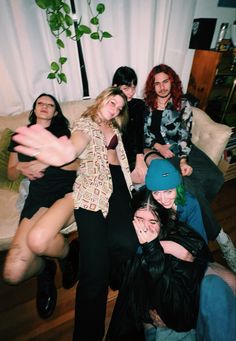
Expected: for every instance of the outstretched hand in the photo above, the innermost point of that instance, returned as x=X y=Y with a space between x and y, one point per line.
x=40 y=143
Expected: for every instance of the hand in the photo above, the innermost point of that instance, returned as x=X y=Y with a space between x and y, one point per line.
x=185 y=169
x=144 y=234
x=157 y=321
x=40 y=143
x=139 y=172
x=176 y=250
x=28 y=171
x=164 y=150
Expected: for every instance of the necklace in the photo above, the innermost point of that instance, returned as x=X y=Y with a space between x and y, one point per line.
x=101 y=122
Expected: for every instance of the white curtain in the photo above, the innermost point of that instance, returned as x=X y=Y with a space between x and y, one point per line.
x=145 y=33
x=27 y=48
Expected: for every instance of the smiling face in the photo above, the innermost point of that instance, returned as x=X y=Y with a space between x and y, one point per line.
x=111 y=108
x=165 y=198
x=45 y=110
x=148 y=219
x=162 y=85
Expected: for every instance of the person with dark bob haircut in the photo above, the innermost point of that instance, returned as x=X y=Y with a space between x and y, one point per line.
x=126 y=79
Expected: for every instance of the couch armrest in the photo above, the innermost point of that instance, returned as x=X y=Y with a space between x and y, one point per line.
x=209 y=136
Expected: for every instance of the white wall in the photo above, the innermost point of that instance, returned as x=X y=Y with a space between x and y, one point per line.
x=209 y=9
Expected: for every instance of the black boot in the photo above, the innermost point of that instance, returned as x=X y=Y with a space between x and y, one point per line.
x=70 y=265
x=46 y=297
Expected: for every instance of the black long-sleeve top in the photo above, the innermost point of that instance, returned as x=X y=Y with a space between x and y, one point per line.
x=133 y=136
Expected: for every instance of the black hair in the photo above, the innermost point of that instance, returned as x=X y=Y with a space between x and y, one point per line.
x=124 y=75
x=59 y=120
x=143 y=199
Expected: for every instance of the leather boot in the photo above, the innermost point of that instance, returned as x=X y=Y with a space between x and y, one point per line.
x=70 y=265
x=46 y=297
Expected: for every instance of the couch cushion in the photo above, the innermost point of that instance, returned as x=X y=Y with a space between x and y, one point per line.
x=4 y=156
x=209 y=136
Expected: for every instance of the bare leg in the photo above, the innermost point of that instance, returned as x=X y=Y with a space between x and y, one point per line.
x=45 y=237
x=21 y=263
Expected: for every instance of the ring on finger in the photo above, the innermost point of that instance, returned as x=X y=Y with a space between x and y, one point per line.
x=36 y=153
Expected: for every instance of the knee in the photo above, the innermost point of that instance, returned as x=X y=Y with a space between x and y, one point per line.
x=14 y=269
x=37 y=242
x=215 y=293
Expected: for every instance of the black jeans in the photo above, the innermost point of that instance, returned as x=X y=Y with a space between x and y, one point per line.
x=103 y=243
x=204 y=183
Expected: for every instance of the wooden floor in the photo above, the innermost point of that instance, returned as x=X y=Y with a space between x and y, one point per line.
x=18 y=317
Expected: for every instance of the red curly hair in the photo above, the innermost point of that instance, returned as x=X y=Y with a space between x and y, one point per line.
x=176 y=86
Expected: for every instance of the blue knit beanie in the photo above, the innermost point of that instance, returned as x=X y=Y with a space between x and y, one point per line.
x=162 y=175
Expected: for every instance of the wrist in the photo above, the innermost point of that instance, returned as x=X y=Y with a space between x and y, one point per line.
x=149 y=156
x=139 y=157
x=183 y=161
x=156 y=146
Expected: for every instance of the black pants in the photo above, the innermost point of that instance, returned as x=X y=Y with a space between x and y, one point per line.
x=104 y=242
x=204 y=183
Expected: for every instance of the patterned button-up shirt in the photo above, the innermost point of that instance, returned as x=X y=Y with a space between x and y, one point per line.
x=93 y=185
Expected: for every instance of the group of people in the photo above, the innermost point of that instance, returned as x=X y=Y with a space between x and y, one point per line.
x=140 y=192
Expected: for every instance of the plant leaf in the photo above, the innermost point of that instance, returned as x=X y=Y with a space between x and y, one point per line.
x=94 y=36
x=51 y=76
x=42 y=3
x=66 y=8
x=62 y=77
x=55 y=67
x=68 y=33
x=94 y=21
x=62 y=60
x=84 y=29
x=60 y=43
x=106 y=35
x=68 y=20
x=100 y=8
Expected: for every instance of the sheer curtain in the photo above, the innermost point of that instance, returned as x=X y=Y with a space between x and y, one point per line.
x=145 y=33
x=27 y=48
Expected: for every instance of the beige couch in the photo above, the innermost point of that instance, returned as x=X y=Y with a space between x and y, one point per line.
x=209 y=136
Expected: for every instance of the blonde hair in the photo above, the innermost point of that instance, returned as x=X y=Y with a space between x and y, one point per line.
x=119 y=121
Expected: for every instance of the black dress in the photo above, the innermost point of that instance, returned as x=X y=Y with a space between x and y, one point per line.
x=54 y=185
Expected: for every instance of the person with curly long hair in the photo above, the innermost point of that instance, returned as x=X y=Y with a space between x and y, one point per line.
x=167 y=133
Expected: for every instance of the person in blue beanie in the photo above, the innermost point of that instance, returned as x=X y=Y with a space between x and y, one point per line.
x=217 y=308
x=165 y=183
